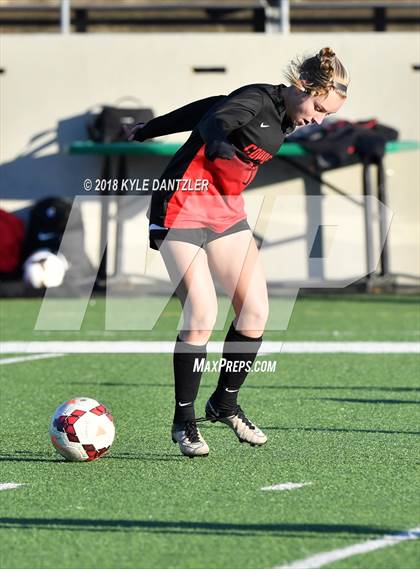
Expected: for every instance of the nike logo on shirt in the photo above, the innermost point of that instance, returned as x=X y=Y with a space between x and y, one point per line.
x=263 y=125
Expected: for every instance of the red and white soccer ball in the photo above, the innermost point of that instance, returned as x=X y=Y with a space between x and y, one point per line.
x=82 y=429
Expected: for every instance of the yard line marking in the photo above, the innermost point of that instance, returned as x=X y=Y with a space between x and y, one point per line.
x=28 y=358
x=9 y=486
x=327 y=557
x=351 y=347
x=287 y=486
x=268 y=347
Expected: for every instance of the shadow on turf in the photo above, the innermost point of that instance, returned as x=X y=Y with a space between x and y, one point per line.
x=117 y=384
x=143 y=456
x=331 y=430
x=369 y=298
x=315 y=387
x=354 y=400
x=339 y=387
x=212 y=528
x=29 y=456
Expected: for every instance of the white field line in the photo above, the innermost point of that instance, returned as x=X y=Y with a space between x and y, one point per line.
x=20 y=359
x=141 y=347
x=286 y=486
x=327 y=557
x=9 y=485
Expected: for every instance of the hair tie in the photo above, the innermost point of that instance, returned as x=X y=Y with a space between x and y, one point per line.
x=340 y=86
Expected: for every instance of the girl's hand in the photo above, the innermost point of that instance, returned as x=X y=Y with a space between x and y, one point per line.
x=219 y=149
x=132 y=131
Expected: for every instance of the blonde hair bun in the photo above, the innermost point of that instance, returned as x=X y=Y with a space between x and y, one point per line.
x=319 y=74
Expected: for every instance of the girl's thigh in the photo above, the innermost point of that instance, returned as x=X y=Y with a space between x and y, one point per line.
x=236 y=261
x=188 y=269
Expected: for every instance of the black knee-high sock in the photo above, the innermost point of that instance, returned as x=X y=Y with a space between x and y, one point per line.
x=239 y=353
x=187 y=378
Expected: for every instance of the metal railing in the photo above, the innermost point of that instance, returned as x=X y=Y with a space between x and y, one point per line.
x=144 y=15
x=259 y=16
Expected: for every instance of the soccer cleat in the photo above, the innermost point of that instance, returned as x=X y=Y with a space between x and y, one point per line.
x=243 y=428
x=189 y=439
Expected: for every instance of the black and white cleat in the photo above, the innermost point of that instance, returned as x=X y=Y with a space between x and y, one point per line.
x=243 y=428
x=189 y=438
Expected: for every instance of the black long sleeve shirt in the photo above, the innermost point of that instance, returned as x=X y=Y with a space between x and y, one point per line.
x=252 y=119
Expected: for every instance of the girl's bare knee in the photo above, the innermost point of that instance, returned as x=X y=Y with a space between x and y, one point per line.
x=252 y=318
x=197 y=328
x=197 y=337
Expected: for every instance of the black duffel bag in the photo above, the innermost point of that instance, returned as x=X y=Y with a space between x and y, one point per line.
x=108 y=125
x=340 y=143
x=49 y=218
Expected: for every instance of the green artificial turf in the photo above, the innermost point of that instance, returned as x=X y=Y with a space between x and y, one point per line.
x=333 y=318
x=347 y=423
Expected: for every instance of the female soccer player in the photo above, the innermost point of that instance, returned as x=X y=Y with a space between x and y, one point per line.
x=198 y=223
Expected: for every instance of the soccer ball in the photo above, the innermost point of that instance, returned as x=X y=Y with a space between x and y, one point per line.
x=81 y=429
x=43 y=269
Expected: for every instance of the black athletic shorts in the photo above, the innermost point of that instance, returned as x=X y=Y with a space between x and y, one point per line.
x=197 y=236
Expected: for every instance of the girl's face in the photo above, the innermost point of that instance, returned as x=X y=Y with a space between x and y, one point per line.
x=305 y=109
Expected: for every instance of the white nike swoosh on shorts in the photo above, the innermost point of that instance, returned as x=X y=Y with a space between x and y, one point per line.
x=154 y=226
x=44 y=236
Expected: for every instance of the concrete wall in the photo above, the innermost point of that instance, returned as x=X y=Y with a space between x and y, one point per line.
x=51 y=83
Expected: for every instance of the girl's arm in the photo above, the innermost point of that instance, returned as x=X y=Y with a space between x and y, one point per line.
x=181 y=120
x=238 y=110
